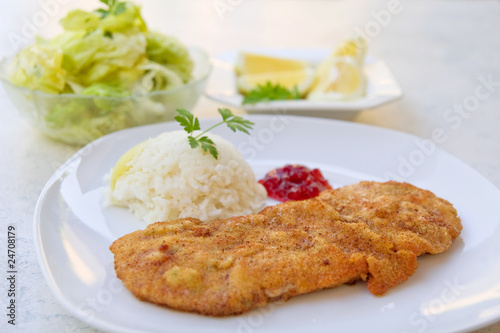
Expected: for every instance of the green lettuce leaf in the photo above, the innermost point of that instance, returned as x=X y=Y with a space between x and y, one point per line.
x=38 y=67
x=95 y=57
x=80 y=20
x=81 y=120
x=68 y=112
x=105 y=90
x=124 y=17
x=170 y=52
x=157 y=77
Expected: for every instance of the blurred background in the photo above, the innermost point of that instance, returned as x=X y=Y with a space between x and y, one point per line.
x=436 y=49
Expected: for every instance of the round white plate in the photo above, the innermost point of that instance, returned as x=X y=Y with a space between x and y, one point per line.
x=382 y=87
x=450 y=292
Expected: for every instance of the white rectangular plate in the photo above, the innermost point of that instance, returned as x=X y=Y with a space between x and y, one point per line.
x=382 y=87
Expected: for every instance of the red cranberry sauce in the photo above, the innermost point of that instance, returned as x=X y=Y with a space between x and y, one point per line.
x=294 y=182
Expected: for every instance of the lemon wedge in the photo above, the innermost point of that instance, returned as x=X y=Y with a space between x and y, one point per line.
x=251 y=63
x=302 y=79
x=341 y=76
x=122 y=166
x=353 y=47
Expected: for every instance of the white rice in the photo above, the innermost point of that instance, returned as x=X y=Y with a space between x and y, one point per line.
x=168 y=179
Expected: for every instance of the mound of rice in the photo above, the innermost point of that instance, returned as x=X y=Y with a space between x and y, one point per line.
x=167 y=180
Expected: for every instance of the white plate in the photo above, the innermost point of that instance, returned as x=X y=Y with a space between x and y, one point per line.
x=454 y=291
x=381 y=87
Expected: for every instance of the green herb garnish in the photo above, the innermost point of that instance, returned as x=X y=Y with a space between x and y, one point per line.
x=270 y=92
x=115 y=7
x=190 y=123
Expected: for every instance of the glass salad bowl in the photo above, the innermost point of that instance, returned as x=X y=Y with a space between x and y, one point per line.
x=80 y=119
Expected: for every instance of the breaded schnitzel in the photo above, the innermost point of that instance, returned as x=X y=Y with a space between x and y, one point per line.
x=370 y=231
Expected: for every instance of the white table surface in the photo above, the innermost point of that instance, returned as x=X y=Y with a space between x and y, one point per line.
x=437 y=50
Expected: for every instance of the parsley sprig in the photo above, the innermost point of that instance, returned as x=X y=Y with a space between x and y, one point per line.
x=270 y=92
x=115 y=7
x=190 y=123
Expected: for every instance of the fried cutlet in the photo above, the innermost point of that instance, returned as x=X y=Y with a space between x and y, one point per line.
x=370 y=231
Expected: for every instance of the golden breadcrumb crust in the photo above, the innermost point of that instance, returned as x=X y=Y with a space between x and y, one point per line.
x=368 y=231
